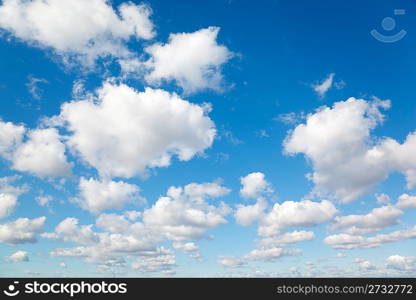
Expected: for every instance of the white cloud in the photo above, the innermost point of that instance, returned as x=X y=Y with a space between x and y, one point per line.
x=8 y=203
x=122 y=132
x=42 y=155
x=18 y=256
x=10 y=137
x=44 y=200
x=286 y=239
x=348 y=241
x=97 y=196
x=68 y=230
x=181 y=216
x=62 y=265
x=340 y=255
x=33 y=88
x=192 y=60
x=254 y=185
x=401 y=263
x=296 y=214
x=324 y=86
x=162 y=260
x=406 y=201
x=21 y=231
x=99 y=30
x=245 y=215
x=9 y=195
x=270 y=254
x=230 y=261
x=185 y=247
x=347 y=161
x=377 y=219
x=383 y=199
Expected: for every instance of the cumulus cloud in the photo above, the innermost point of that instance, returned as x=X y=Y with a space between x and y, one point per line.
x=347 y=161
x=97 y=196
x=192 y=60
x=296 y=214
x=401 y=263
x=162 y=260
x=183 y=215
x=322 y=88
x=286 y=239
x=11 y=136
x=230 y=261
x=377 y=219
x=122 y=132
x=270 y=254
x=406 y=201
x=43 y=154
x=254 y=185
x=349 y=241
x=22 y=230
x=245 y=215
x=100 y=31
x=8 y=203
x=18 y=256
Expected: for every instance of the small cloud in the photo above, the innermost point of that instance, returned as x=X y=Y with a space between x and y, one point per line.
x=322 y=88
x=291 y=118
x=33 y=88
x=18 y=256
x=339 y=85
x=382 y=198
x=262 y=133
x=63 y=265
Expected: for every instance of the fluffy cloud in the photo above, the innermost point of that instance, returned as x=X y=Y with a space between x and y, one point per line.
x=286 y=239
x=8 y=203
x=383 y=199
x=11 y=136
x=406 y=201
x=122 y=132
x=230 y=261
x=348 y=241
x=99 y=30
x=18 y=256
x=270 y=254
x=181 y=216
x=162 y=260
x=254 y=185
x=375 y=220
x=21 y=231
x=9 y=195
x=43 y=154
x=346 y=160
x=245 y=215
x=324 y=86
x=296 y=214
x=97 y=196
x=401 y=263
x=192 y=60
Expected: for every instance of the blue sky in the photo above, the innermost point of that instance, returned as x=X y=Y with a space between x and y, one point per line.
x=287 y=125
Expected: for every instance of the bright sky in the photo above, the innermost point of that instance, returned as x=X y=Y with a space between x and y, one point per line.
x=207 y=138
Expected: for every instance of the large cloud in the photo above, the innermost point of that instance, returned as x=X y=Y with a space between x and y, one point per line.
x=183 y=214
x=21 y=231
x=347 y=161
x=77 y=29
x=192 y=60
x=375 y=220
x=122 y=132
x=349 y=241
